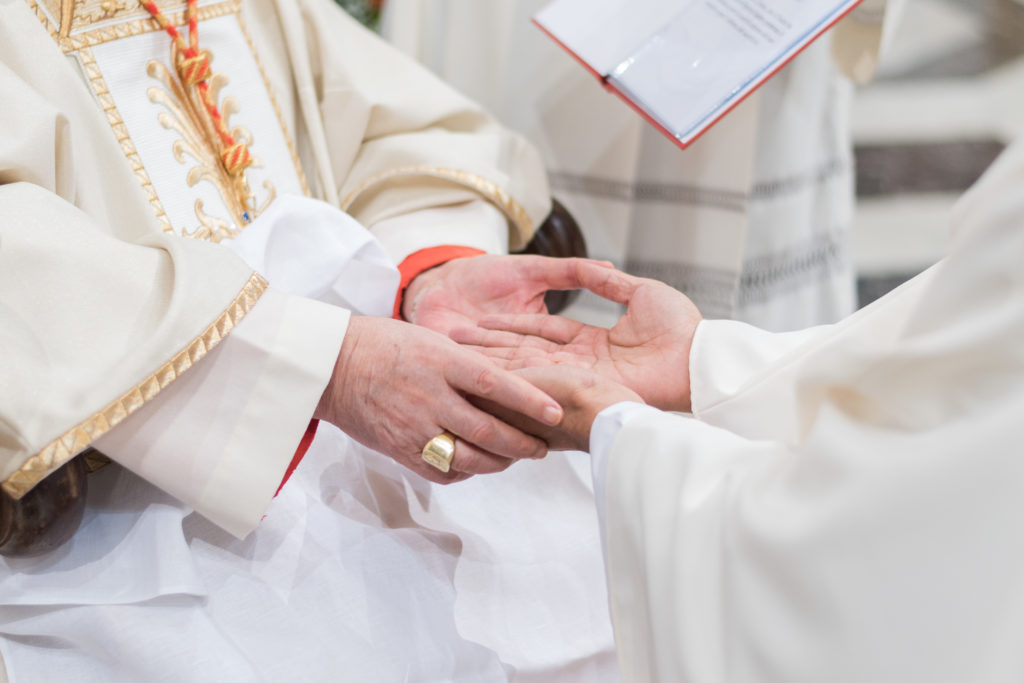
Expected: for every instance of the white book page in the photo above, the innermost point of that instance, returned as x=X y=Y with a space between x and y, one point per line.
x=712 y=53
x=603 y=33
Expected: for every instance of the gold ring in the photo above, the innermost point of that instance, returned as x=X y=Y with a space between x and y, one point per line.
x=440 y=450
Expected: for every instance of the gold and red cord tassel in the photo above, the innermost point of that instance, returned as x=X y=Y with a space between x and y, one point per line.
x=194 y=69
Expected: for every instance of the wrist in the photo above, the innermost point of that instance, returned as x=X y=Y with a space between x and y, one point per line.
x=419 y=263
x=422 y=283
x=593 y=403
x=681 y=400
x=330 y=407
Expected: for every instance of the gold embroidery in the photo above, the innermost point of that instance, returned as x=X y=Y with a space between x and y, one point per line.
x=139 y=26
x=186 y=115
x=99 y=88
x=76 y=439
x=67 y=13
x=44 y=19
x=93 y=22
x=88 y=13
x=80 y=42
x=79 y=16
x=491 y=191
x=76 y=15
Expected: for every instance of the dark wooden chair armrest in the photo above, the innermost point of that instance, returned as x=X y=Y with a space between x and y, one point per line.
x=47 y=516
x=558 y=236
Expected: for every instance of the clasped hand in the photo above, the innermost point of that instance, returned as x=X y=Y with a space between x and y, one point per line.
x=395 y=386
x=518 y=371
x=586 y=368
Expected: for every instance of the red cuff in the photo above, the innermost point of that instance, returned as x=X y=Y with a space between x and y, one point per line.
x=425 y=259
x=304 y=444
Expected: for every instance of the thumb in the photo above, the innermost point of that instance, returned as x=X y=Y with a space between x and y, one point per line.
x=608 y=283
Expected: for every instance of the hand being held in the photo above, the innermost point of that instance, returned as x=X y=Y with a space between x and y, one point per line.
x=395 y=386
x=647 y=350
x=582 y=393
x=462 y=291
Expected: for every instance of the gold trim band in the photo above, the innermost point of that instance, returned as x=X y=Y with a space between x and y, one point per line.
x=490 y=190
x=78 y=438
x=124 y=139
x=136 y=27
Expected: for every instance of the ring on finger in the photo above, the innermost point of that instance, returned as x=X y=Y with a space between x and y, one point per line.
x=440 y=450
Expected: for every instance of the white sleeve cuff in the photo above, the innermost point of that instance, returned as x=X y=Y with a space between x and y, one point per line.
x=221 y=436
x=726 y=355
x=606 y=427
x=478 y=224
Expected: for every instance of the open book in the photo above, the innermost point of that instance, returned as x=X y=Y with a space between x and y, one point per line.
x=683 y=64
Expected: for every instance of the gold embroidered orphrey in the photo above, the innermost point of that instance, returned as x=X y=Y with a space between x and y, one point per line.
x=186 y=115
x=77 y=25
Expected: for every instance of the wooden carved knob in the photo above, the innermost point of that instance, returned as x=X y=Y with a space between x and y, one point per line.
x=45 y=517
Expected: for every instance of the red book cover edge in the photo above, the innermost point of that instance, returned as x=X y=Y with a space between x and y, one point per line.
x=650 y=119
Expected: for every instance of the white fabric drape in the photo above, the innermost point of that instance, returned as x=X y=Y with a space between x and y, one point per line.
x=845 y=506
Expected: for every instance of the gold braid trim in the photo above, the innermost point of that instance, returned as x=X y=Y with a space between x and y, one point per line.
x=124 y=139
x=75 y=440
x=136 y=27
x=88 y=37
x=490 y=190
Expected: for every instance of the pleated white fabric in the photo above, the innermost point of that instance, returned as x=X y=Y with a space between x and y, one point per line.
x=359 y=572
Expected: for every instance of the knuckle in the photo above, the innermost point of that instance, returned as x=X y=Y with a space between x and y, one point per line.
x=478 y=463
x=470 y=463
x=482 y=433
x=502 y=465
x=531 y=448
x=486 y=381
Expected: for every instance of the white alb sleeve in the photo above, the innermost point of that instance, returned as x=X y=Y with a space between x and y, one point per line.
x=478 y=224
x=221 y=437
x=602 y=435
x=726 y=355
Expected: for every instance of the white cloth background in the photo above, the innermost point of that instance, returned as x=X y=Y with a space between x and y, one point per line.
x=359 y=572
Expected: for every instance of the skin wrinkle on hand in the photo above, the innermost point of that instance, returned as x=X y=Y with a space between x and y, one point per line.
x=385 y=366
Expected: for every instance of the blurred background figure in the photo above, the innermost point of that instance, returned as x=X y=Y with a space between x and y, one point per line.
x=366 y=11
x=946 y=101
x=752 y=221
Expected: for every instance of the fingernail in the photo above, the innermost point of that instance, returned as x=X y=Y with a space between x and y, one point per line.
x=552 y=415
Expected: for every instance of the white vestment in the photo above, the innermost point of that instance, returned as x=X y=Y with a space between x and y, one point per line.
x=845 y=505
x=752 y=221
x=360 y=570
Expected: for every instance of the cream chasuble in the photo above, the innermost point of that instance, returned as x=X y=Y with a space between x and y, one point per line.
x=360 y=570
x=98 y=118
x=847 y=504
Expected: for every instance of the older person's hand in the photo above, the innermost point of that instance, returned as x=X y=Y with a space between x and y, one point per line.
x=648 y=350
x=396 y=386
x=460 y=292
